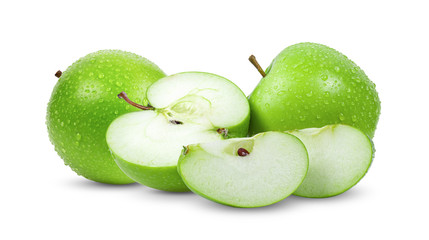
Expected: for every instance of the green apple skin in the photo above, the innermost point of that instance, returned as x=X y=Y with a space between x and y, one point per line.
x=84 y=102
x=310 y=85
x=161 y=178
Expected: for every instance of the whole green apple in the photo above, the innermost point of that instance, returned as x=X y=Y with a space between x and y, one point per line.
x=309 y=85
x=84 y=103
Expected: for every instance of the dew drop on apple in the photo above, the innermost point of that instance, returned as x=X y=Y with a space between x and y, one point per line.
x=101 y=75
x=324 y=77
x=354 y=118
x=78 y=136
x=337 y=69
x=309 y=94
x=341 y=117
x=118 y=84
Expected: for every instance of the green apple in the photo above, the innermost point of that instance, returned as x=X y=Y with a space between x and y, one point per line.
x=184 y=108
x=245 y=172
x=310 y=85
x=84 y=103
x=339 y=155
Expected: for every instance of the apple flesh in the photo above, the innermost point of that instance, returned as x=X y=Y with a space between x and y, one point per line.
x=340 y=155
x=310 y=85
x=185 y=108
x=246 y=172
x=84 y=103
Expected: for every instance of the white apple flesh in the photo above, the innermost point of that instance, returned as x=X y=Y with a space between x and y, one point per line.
x=188 y=108
x=340 y=155
x=246 y=172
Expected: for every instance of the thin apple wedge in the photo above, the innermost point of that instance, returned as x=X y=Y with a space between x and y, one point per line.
x=245 y=172
x=340 y=156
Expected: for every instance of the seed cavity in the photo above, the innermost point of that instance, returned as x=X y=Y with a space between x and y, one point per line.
x=242 y=152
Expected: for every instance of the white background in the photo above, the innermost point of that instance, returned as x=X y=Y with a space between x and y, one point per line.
x=43 y=199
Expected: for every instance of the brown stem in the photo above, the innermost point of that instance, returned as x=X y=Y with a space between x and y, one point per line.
x=242 y=152
x=123 y=95
x=58 y=74
x=255 y=63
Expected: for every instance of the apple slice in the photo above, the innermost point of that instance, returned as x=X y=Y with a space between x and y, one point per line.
x=184 y=108
x=340 y=155
x=246 y=172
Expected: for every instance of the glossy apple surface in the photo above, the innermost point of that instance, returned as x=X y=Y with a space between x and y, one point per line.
x=83 y=104
x=310 y=85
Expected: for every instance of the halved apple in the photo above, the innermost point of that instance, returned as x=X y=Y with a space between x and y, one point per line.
x=340 y=156
x=185 y=108
x=245 y=172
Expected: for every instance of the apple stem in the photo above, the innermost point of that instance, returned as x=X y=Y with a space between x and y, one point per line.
x=58 y=74
x=242 y=152
x=255 y=63
x=124 y=96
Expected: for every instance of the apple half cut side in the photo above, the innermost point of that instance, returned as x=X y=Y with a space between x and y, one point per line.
x=340 y=156
x=245 y=172
x=185 y=108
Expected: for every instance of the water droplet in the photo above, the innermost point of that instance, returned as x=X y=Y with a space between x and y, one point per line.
x=341 y=117
x=309 y=94
x=118 y=84
x=337 y=69
x=101 y=75
x=302 y=118
x=78 y=136
x=116 y=112
x=267 y=105
x=324 y=77
x=318 y=116
x=62 y=124
x=91 y=74
x=354 y=118
x=63 y=150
